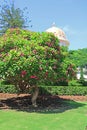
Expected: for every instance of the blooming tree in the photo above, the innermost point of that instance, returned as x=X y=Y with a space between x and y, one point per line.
x=28 y=59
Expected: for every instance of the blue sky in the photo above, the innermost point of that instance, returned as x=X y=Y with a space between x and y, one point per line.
x=69 y=15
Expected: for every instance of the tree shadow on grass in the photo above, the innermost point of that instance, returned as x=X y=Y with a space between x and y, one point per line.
x=46 y=104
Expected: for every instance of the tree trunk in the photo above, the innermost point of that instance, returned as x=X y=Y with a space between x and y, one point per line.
x=34 y=96
x=81 y=73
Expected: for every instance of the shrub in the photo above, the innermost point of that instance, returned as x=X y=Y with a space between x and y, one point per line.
x=8 y=89
x=49 y=90
x=83 y=82
x=74 y=83
x=63 y=90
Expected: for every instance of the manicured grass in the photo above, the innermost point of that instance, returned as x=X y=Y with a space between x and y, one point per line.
x=73 y=118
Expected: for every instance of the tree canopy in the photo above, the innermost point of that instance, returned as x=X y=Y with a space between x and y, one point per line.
x=29 y=59
x=78 y=57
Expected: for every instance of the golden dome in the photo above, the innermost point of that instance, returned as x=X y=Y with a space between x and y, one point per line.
x=60 y=34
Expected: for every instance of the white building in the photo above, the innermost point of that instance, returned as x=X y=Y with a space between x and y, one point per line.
x=84 y=73
x=60 y=34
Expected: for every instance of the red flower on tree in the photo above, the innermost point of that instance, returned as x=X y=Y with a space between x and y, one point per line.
x=23 y=73
x=41 y=68
x=46 y=73
x=22 y=54
x=33 y=77
x=34 y=51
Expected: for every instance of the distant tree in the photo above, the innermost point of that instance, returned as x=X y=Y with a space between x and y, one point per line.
x=79 y=58
x=11 y=17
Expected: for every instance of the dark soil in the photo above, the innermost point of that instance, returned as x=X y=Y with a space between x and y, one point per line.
x=23 y=102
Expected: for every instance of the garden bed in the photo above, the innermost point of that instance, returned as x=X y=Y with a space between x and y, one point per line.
x=23 y=101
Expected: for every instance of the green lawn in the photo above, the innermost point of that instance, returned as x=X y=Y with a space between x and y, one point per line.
x=73 y=118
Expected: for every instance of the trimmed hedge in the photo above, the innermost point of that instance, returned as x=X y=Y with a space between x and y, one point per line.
x=49 y=90
x=63 y=90
x=7 y=89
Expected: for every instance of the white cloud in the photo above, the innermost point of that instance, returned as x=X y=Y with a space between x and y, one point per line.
x=71 y=32
x=67 y=29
